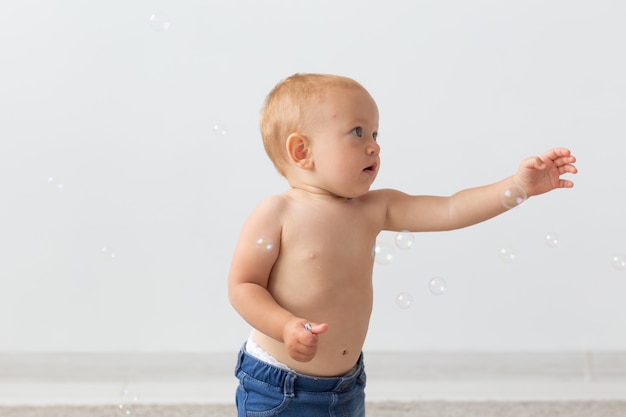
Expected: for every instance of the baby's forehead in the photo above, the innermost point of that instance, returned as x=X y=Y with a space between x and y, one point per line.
x=351 y=103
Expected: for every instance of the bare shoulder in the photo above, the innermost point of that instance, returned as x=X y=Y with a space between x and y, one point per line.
x=383 y=196
x=378 y=203
x=271 y=207
x=262 y=227
x=267 y=218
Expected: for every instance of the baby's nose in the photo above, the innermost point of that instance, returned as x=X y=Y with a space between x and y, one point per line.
x=373 y=149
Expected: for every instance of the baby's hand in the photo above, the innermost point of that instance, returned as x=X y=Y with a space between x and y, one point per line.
x=300 y=337
x=538 y=175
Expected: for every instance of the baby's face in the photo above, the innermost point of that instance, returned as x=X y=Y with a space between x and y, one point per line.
x=343 y=142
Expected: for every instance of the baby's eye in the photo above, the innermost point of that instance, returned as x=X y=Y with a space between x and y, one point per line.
x=358 y=131
x=375 y=135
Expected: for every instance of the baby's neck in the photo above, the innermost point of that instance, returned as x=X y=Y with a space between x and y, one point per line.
x=316 y=193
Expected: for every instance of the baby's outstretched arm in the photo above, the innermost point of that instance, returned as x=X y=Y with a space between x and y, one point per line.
x=536 y=175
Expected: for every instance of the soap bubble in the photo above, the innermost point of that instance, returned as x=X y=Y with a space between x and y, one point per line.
x=404 y=240
x=220 y=130
x=507 y=254
x=127 y=401
x=383 y=253
x=159 y=22
x=513 y=196
x=56 y=183
x=108 y=253
x=264 y=244
x=404 y=300
x=552 y=240
x=619 y=262
x=437 y=285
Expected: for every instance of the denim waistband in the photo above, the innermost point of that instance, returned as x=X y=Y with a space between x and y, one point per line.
x=293 y=381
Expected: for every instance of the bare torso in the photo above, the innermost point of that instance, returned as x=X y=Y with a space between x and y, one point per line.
x=324 y=273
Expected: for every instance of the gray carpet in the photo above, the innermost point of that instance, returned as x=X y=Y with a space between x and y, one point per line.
x=374 y=409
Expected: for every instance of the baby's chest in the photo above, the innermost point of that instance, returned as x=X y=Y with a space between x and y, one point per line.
x=325 y=237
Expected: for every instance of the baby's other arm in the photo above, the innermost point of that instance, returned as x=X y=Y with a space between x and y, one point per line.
x=536 y=175
x=256 y=252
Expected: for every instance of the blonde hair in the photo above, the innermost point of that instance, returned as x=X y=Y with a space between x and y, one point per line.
x=286 y=108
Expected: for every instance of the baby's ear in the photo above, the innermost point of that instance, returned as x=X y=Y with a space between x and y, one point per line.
x=298 y=150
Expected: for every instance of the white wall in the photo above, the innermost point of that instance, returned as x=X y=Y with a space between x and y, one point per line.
x=122 y=116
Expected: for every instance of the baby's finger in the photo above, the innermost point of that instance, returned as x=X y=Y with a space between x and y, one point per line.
x=316 y=328
x=319 y=328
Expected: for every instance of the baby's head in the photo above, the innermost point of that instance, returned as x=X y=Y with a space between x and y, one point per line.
x=288 y=108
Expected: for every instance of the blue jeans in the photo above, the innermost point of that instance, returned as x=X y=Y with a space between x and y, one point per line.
x=266 y=390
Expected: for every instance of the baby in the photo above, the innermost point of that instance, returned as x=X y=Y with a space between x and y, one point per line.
x=301 y=272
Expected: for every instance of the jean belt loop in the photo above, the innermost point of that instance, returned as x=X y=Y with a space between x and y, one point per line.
x=290 y=383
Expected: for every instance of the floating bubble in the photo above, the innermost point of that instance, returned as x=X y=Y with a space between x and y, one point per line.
x=264 y=244
x=619 y=262
x=551 y=239
x=383 y=253
x=404 y=240
x=220 y=130
x=507 y=254
x=126 y=409
x=437 y=285
x=108 y=253
x=404 y=300
x=127 y=401
x=159 y=22
x=513 y=196
x=56 y=183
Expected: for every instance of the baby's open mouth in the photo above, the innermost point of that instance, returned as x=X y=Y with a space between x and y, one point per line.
x=370 y=168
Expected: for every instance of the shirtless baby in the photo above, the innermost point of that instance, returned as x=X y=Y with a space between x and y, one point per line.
x=307 y=290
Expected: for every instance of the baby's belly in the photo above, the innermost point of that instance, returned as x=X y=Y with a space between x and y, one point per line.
x=341 y=297
x=337 y=351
